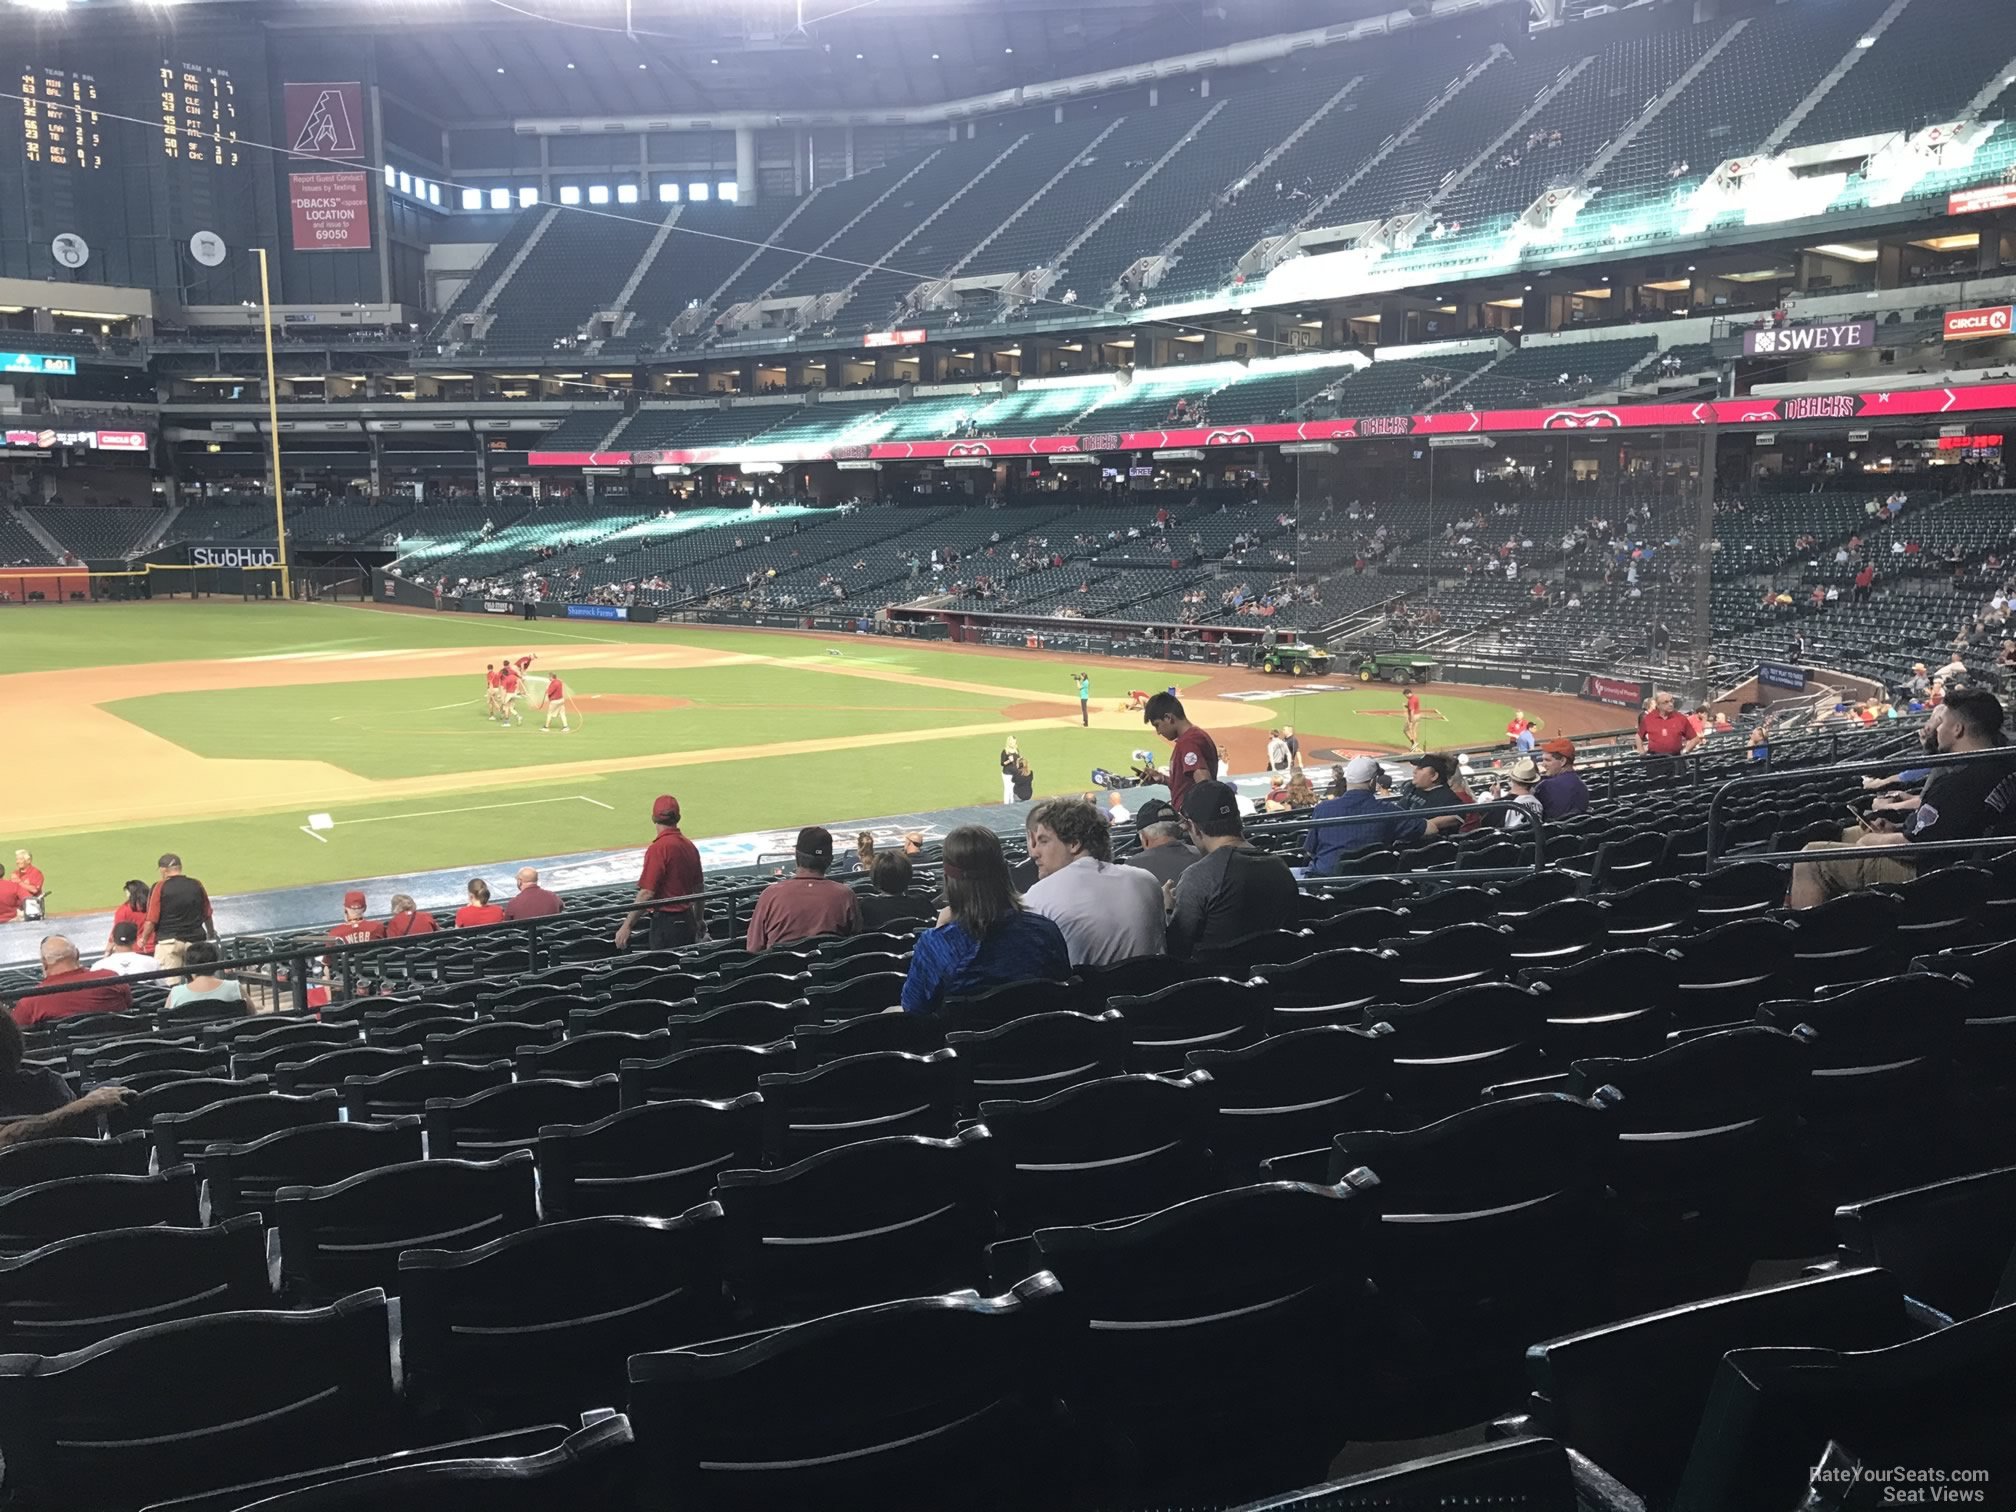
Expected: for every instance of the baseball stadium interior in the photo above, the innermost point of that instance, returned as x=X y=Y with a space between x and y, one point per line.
x=1479 y=533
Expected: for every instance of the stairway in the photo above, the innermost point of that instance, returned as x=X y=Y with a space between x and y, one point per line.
x=1834 y=76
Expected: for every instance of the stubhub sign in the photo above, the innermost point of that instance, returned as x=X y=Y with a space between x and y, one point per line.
x=1973 y=325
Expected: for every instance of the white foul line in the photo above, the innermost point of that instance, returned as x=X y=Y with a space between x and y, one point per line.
x=310 y=833
x=480 y=808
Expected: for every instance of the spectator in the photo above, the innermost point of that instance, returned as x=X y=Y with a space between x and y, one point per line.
x=1665 y=734
x=1117 y=812
x=531 y=900
x=913 y=844
x=985 y=937
x=892 y=903
x=1025 y=780
x=205 y=985
x=122 y=959
x=12 y=896
x=1523 y=732
x=28 y=874
x=1108 y=913
x=1434 y=777
x=35 y=1101
x=1193 y=754
x=1328 y=844
x=1277 y=758
x=178 y=914
x=1520 y=780
x=479 y=909
x=671 y=870
x=1963 y=802
x=1234 y=890
x=132 y=911
x=1166 y=852
x=1561 y=791
x=1011 y=756
x=807 y=904
x=407 y=919
x=355 y=926
x=60 y=968
x=864 y=852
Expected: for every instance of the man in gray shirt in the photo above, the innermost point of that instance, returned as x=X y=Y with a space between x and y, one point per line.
x=1231 y=892
x=1166 y=851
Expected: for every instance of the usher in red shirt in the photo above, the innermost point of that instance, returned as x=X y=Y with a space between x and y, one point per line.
x=1193 y=758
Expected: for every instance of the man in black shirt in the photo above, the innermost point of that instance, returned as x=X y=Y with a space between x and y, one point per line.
x=35 y=1101
x=1964 y=802
x=178 y=914
x=1234 y=890
x=1430 y=790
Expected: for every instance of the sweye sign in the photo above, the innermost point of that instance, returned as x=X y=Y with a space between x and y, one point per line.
x=1808 y=340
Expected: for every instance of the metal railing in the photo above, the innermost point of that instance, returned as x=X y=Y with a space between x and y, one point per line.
x=295 y=960
x=1531 y=831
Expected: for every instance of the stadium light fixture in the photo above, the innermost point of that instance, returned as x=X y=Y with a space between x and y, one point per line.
x=570 y=67
x=1865 y=42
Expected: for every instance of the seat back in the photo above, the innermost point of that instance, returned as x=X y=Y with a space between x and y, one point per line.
x=484 y=1125
x=244 y=1178
x=585 y=1055
x=882 y=1218
x=742 y=1022
x=182 y=1095
x=1329 y=987
x=233 y=1120
x=1293 y=1091
x=1629 y=1394
x=1950 y=1244
x=860 y=1097
x=490 y=1041
x=1445 y=1051
x=33 y=1216
x=820 y=1044
x=779 y=1420
x=653 y=1161
x=39 y=1160
x=1100 y=1150
x=398 y=1094
x=335 y=1237
x=862 y=993
x=535 y=1326
x=709 y=1073
x=1015 y=1000
x=1209 y=1013
x=74 y=1292
x=1032 y=1057
x=96 y=1427
x=320 y=1072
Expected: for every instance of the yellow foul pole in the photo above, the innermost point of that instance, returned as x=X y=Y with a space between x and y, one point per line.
x=273 y=423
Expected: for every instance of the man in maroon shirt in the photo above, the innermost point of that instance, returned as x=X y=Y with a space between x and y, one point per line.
x=533 y=901
x=1193 y=754
x=806 y=904
x=1665 y=735
x=60 y=967
x=671 y=870
x=355 y=926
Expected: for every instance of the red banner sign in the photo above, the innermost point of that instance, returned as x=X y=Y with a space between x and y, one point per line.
x=893 y=338
x=1754 y=413
x=332 y=211
x=1615 y=691
x=131 y=441
x=1973 y=325
x=1983 y=197
x=325 y=120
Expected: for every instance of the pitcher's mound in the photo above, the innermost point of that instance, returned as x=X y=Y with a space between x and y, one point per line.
x=633 y=703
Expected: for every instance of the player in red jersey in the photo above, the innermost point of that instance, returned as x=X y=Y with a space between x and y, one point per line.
x=493 y=697
x=556 y=703
x=511 y=687
x=1412 y=724
x=1193 y=754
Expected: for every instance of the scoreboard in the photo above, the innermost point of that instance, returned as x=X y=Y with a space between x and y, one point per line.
x=60 y=125
x=199 y=114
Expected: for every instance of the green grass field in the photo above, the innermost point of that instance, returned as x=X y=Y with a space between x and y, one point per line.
x=398 y=743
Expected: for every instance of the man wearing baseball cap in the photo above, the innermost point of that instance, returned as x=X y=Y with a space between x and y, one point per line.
x=1329 y=844
x=355 y=926
x=806 y=903
x=1433 y=772
x=1561 y=790
x=671 y=870
x=1234 y=890
x=1166 y=852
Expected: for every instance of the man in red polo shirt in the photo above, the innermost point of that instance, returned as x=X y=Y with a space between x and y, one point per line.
x=12 y=896
x=355 y=926
x=28 y=874
x=61 y=967
x=671 y=870
x=1665 y=735
x=1193 y=754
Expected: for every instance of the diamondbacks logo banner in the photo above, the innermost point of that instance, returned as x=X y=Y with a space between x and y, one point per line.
x=325 y=120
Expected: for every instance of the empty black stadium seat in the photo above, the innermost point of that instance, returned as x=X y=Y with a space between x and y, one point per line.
x=535 y=1326
x=711 y=1072
x=778 y=1419
x=1044 y=1053
x=244 y=1178
x=1629 y=1394
x=1294 y=1091
x=73 y=1292
x=33 y=1216
x=99 y=1427
x=655 y=1160
x=39 y=1160
x=182 y=1136
x=332 y=1237
x=1951 y=1244
x=1105 y=1149
x=865 y=1222
x=484 y=1125
x=859 y=1097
